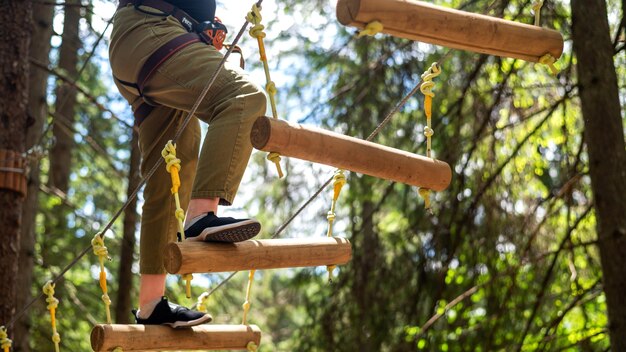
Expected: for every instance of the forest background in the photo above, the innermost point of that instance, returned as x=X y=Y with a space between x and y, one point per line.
x=520 y=253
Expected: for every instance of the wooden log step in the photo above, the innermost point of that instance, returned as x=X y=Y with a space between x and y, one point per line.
x=106 y=337
x=201 y=257
x=424 y=22
x=329 y=148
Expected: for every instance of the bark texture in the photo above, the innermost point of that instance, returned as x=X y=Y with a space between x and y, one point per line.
x=61 y=153
x=38 y=109
x=125 y=275
x=15 y=32
x=607 y=153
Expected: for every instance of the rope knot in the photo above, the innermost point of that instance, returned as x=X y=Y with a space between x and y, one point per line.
x=428 y=132
x=371 y=29
x=252 y=347
x=270 y=87
x=202 y=302
x=48 y=290
x=330 y=216
x=427 y=79
x=425 y=193
x=169 y=154
x=254 y=17
x=99 y=249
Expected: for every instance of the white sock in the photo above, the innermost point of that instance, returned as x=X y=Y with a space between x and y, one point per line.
x=190 y=223
x=146 y=310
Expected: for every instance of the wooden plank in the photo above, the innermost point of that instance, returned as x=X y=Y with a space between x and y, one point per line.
x=163 y=338
x=424 y=22
x=329 y=148
x=200 y=257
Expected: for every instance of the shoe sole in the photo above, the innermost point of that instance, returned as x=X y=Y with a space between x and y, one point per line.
x=231 y=233
x=187 y=324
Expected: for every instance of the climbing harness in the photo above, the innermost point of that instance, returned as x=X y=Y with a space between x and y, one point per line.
x=53 y=303
x=254 y=17
x=102 y=252
x=208 y=32
x=427 y=90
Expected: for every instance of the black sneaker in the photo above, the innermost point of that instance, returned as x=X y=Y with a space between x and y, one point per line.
x=171 y=314
x=212 y=228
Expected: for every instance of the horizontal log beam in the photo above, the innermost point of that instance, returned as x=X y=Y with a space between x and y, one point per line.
x=334 y=149
x=163 y=338
x=201 y=257
x=424 y=22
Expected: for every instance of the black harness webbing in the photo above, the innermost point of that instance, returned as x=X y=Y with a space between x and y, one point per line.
x=196 y=35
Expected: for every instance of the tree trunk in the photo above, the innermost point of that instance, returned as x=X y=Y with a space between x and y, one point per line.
x=15 y=29
x=61 y=153
x=38 y=109
x=607 y=153
x=125 y=276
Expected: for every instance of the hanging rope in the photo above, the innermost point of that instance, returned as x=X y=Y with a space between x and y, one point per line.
x=53 y=303
x=339 y=180
x=537 y=4
x=102 y=252
x=247 y=304
x=201 y=306
x=172 y=165
x=5 y=342
x=427 y=90
x=254 y=17
x=371 y=29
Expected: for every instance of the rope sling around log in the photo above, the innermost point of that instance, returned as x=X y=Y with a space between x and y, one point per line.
x=159 y=337
x=313 y=144
x=424 y=22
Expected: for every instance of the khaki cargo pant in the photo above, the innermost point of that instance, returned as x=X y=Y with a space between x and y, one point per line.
x=229 y=108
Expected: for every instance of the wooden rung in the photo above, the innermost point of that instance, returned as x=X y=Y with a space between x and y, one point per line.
x=200 y=257
x=163 y=338
x=325 y=147
x=421 y=21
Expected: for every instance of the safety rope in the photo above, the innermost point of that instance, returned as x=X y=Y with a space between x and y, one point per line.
x=53 y=303
x=371 y=29
x=537 y=4
x=427 y=90
x=339 y=180
x=5 y=341
x=254 y=17
x=247 y=304
x=102 y=252
x=172 y=165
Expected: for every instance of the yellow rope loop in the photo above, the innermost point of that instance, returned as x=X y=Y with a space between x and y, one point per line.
x=252 y=347
x=102 y=252
x=371 y=29
x=202 y=302
x=254 y=17
x=53 y=303
x=549 y=60
x=187 y=278
x=275 y=158
x=5 y=341
x=246 y=305
x=537 y=4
